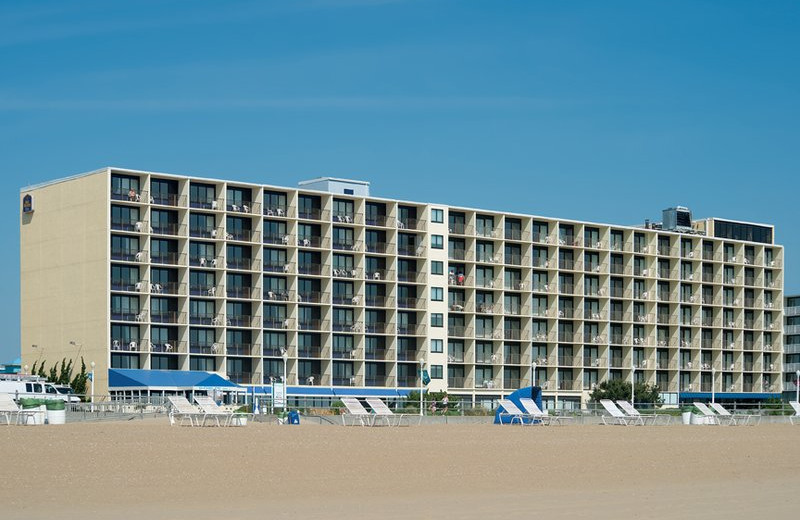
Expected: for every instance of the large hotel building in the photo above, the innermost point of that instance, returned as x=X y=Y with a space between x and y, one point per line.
x=149 y=271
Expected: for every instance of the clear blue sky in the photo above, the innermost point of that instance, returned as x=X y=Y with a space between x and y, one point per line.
x=605 y=111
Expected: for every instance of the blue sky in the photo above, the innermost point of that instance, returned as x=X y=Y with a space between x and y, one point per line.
x=604 y=111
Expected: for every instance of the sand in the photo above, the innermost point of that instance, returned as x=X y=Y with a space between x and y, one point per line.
x=147 y=469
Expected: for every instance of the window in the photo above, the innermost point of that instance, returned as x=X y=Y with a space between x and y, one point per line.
x=437 y=242
x=437 y=216
x=437 y=346
x=437 y=319
x=437 y=267
x=436 y=371
x=437 y=294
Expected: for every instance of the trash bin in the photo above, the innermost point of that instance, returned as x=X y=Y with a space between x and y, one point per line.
x=36 y=406
x=294 y=417
x=56 y=411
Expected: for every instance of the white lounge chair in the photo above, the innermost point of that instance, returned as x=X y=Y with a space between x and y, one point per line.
x=212 y=410
x=356 y=409
x=511 y=410
x=382 y=411
x=629 y=410
x=530 y=406
x=796 y=407
x=181 y=409
x=617 y=416
x=734 y=419
x=9 y=409
x=706 y=411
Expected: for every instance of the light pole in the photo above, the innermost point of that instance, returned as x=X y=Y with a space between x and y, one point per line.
x=25 y=371
x=633 y=384
x=797 y=386
x=533 y=374
x=285 y=355
x=421 y=385
x=713 y=378
x=92 y=400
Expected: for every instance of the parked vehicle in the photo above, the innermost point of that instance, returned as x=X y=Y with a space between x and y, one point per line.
x=36 y=387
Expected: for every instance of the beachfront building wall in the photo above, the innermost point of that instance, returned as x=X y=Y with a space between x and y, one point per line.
x=187 y=273
x=791 y=346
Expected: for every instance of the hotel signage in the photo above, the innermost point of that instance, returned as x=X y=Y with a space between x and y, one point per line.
x=27 y=203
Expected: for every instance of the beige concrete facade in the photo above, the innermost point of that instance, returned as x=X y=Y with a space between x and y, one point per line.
x=63 y=282
x=355 y=290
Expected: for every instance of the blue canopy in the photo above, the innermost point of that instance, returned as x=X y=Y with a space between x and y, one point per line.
x=166 y=379
x=530 y=392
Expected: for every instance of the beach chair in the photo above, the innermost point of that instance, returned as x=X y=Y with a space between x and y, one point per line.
x=796 y=407
x=734 y=419
x=617 y=416
x=544 y=418
x=181 y=409
x=382 y=411
x=629 y=410
x=706 y=411
x=511 y=410
x=9 y=409
x=356 y=410
x=213 y=411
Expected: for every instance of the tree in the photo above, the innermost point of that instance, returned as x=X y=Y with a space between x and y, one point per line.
x=618 y=389
x=78 y=383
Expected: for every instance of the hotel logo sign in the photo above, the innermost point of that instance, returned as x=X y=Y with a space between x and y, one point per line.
x=27 y=203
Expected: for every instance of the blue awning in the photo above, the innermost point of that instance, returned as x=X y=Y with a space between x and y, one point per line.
x=370 y=392
x=119 y=378
x=730 y=396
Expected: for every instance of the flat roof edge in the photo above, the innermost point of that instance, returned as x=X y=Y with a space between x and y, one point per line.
x=63 y=179
x=337 y=179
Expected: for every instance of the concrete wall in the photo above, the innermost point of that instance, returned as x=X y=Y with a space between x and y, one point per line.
x=64 y=275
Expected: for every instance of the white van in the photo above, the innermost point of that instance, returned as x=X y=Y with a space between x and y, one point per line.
x=37 y=389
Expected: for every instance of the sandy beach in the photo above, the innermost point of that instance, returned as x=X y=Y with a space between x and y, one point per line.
x=147 y=469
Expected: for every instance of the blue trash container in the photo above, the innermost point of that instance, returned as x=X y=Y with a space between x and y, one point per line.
x=294 y=417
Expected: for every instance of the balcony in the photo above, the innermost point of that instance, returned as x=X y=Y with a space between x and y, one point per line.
x=456 y=254
x=343 y=217
x=277 y=210
x=488 y=308
x=410 y=330
x=377 y=220
x=379 y=275
x=459 y=280
x=128 y=195
x=487 y=358
x=411 y=277
x=277 y=238
x=410 y=250
x=312 y=242
x=206 y=348
x=167 y=228
x=169 y=346
x=412 y=303
x=245 y=378
x=339 y=353
x=459 y=382
x=459 y=331
x=514 y=259
x=412 y=224
x=515 y=310
x=167 y=258
x=129 y=345
x=133 y=286
x=208 y=263
x=347 y=326
x=313 y=324
x=568 y=240
x=133 y=315
x=514 y=334
x=205 y=318
x=313 y=214
x=128 y=255
x=379 y=354
x=240 y=320
x=166 y=316
x=131 y=225
x=516 y=234
x=241 y=349
x=382 y=248
x=346 y=245
x=408 y=382
x=488 y=333
x=379 y=301
x=313 y=269
x=277 y=322
x=346 y=272
x=311 y=351
x=379 y=381
x=242 y=235
x=488 y=258
x=207 y=291
x=379 y=328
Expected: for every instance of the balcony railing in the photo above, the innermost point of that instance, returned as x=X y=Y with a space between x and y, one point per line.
x=167 y=228
x=411 y=330
x=313 y=214
x=343 y=217
x=379 y=247
x=459 y=331
x=379 y=354
x=346 y=245
x=410 y=250
x=377 y=220
x=277 y=322
x=166 y=316
x=129 y=345
x=313 y=242
x=241 y=349
x=343 y=272
x=379 y=301
x=411 y=303
x=241 y=206
x=207 y=348
x=379 y=274
x=167 y=258
x=314 y=351
x=459 y=382
x=170 y=346
x=129 y=195
x=411 y=223
x=313 y=324
x=275 y=210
